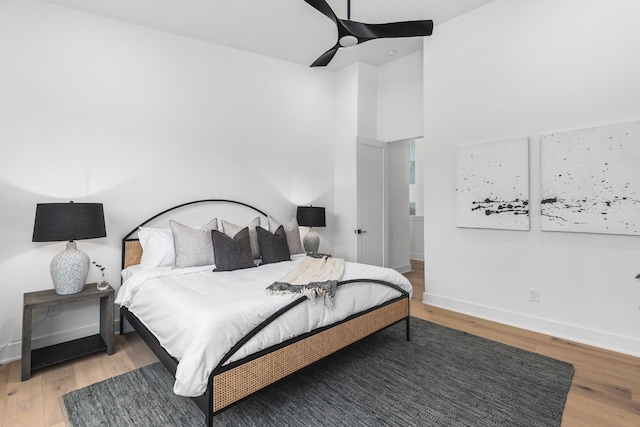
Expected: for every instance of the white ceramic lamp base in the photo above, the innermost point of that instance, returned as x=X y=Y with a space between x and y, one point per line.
x=311 y=241
x=69 y=270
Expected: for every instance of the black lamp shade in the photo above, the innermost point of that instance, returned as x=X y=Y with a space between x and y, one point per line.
x=56 y=222
x=311 y=216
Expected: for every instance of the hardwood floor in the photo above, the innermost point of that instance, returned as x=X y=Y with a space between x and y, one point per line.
x=605 y=389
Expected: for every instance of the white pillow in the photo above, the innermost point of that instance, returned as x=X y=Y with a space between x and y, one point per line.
x=157 y=247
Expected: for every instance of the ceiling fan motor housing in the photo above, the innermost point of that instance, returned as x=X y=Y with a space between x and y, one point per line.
x=348 y=41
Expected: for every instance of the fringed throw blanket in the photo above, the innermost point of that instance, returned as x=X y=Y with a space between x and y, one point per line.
x=314 y=277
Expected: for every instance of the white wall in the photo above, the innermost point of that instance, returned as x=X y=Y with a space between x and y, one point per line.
x=524 y=68
x=367 y=100
x=93 y=109
x=400 y=104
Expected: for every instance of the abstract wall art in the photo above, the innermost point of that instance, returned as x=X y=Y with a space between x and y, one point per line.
x=590 y=180
x=493 y=185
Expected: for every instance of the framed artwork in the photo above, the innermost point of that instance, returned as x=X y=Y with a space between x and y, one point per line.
x=590 y=180
x=493 y=185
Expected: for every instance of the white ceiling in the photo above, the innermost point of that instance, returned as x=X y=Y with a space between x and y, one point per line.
x=286 y=29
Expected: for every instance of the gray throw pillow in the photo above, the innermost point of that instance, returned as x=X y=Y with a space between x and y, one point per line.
x=292 y=231
x=273 y=247
x=232 y=253
x=193 y=245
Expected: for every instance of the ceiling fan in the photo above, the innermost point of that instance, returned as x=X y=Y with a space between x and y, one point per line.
x=351 y=33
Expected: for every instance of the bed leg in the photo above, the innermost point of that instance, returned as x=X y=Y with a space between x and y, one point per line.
x=209 y=397
x=121 y=324
x=408 y=328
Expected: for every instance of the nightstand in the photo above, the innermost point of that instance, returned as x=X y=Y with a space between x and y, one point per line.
x=47 y=356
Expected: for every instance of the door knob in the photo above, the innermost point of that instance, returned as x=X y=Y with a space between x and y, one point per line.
x=359 y=231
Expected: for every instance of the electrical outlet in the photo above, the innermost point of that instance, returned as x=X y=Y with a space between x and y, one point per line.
x=53 y=310
x=534 y=295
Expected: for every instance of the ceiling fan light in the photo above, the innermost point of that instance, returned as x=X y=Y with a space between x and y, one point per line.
x=348 y=41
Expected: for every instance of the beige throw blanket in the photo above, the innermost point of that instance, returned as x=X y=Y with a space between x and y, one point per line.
x=314 y=277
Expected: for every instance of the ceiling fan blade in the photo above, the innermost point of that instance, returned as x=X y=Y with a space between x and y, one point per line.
x=366 y=32
x=323 y=7
x=324 y=59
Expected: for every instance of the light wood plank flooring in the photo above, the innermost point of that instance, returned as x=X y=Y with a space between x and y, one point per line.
x=605 y=389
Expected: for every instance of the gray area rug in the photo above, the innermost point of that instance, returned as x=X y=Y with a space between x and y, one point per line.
x=442 y=377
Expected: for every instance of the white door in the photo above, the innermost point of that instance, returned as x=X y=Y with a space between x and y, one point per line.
x=370 y=206
x=397 y=189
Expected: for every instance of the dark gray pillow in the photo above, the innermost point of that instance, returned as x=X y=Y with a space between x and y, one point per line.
x=292 y=231
x=232 y=253
x=231 y=230
x=273 y=247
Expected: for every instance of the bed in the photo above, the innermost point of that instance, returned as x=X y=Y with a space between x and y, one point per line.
x=219 y=333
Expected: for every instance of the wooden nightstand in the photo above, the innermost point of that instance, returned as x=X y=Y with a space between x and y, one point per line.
x=47 y=356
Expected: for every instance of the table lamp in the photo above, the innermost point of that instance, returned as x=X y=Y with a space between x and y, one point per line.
x=57 y=222
x=311 y=216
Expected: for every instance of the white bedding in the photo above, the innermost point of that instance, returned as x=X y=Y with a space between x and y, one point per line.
x=198 y=315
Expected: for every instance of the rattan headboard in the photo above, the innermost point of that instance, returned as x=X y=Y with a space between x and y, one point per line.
x=131 y=253
x=131 y=248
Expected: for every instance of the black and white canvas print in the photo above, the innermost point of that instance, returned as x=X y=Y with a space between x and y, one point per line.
x=493 y=185
x=590 y=180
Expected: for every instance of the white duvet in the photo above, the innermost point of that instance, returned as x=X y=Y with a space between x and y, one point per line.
x=198 y=315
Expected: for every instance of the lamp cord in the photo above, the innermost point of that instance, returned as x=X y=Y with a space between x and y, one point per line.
x=32 y=329
x=7 y=345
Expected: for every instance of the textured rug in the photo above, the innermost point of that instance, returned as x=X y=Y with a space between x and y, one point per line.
x=442 y=377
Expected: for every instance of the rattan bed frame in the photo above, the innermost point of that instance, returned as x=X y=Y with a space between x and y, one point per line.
x=230 y=383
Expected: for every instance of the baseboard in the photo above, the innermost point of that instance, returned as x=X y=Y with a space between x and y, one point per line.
x=604 y=340
x=13 y=351
x=403 y=269
x=417 y=257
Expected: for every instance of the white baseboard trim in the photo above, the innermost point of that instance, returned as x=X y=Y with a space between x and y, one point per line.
x=13 y=351
x=403 y=268
x=417 y=257
x=595 y=338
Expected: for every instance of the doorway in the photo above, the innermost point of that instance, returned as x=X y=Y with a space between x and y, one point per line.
x=416 y=199
x=405 y=202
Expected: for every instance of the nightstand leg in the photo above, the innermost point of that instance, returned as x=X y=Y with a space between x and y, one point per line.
x=27 y=319
x=107 y=320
